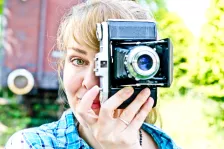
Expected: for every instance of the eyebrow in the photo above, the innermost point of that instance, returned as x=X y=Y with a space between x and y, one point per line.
x=78 y=50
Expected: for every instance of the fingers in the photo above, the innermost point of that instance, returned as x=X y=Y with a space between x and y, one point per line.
x=142 y=114
x=88 y=98
x=129 y=113
x=84 y=108
x=108 y=107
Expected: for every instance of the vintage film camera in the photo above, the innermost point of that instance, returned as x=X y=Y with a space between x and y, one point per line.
x=131 y=55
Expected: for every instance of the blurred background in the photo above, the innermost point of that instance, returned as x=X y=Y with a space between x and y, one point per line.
x=192 y=110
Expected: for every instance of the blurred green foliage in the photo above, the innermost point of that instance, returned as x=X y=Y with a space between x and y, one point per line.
x=15 y=119
x=209 y=71
x=198 y=61
x=44 y=112
x=1 y=11
x=20 y=116
x=197 y=66
x=1 y=6
x=170 y=25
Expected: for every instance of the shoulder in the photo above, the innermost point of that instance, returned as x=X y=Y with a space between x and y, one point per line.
x=162 y=140
x=52 y=135
x=16 y=141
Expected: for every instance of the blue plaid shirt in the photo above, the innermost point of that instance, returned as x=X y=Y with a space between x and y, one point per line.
x=63 y=134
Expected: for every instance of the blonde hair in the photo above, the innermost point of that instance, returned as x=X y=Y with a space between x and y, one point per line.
x=80 y=24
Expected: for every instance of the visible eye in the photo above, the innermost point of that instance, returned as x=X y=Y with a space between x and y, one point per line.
x=78 y=62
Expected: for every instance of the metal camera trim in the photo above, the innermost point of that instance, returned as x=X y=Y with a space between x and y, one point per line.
x=101 y=68
x=132 y=64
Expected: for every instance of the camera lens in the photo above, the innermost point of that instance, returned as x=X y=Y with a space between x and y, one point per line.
x=142 y=62
x=145 y=62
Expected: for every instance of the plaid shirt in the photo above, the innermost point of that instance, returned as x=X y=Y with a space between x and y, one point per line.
x=63 y=134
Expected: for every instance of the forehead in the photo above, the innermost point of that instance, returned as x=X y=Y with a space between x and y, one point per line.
x=85 y=50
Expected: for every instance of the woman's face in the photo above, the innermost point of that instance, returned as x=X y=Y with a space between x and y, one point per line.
x=78 y=75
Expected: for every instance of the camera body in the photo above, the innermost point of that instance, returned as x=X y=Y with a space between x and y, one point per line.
x=131 y=55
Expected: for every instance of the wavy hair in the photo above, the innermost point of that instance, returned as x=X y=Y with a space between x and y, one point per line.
x=80 y=24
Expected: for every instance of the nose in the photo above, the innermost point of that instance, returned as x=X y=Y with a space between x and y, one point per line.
x=90 y=79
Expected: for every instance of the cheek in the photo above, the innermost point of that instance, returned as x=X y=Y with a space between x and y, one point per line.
x=72 y=81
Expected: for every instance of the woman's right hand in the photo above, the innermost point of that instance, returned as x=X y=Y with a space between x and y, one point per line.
x=123 y=131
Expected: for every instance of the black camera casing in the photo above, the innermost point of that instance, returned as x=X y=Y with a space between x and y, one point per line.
x=124 y=45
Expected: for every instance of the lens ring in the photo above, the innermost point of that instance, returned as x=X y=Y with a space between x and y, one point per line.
x=132 y=62
x=153 y=68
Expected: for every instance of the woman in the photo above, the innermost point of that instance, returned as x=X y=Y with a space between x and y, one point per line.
x=89 y=124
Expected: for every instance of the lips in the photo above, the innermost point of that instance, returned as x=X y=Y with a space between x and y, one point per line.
x=96 y=102
x=96 y=105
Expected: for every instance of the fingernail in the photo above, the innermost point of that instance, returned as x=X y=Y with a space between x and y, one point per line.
x=128 y=89
x=146 y=91
x=96 y=87
x=150 y=102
